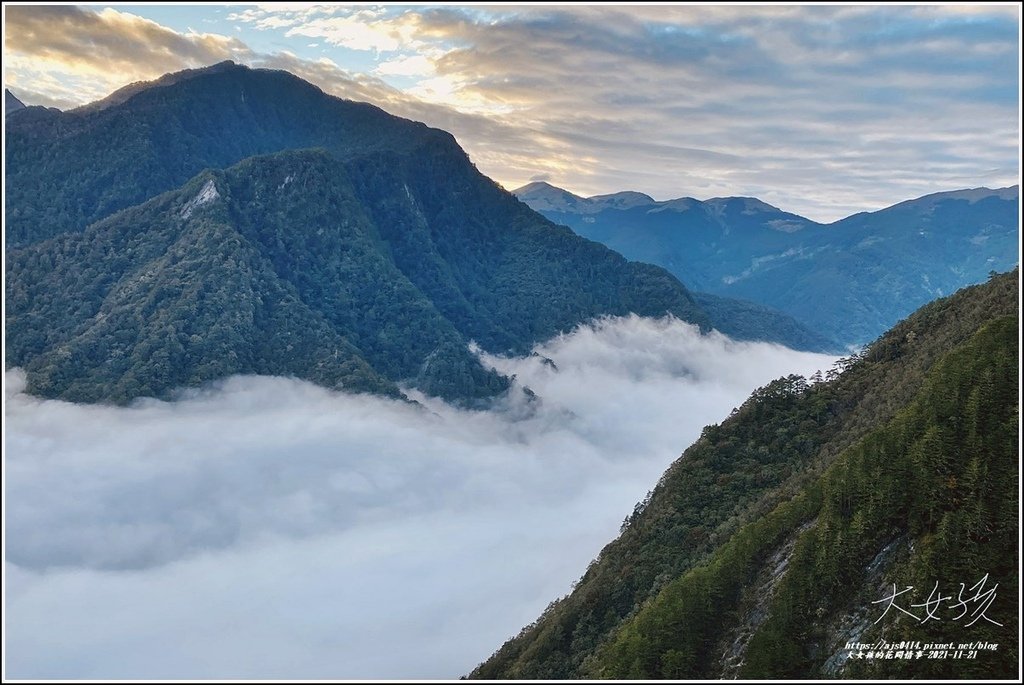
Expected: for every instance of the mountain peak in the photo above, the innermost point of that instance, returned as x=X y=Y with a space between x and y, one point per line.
x=11 y=102
x=123 y=94
x=622 y=200
x=747 y=205
x=971 y=195
x=538 y=187
x=543 y=195
x=203 y=118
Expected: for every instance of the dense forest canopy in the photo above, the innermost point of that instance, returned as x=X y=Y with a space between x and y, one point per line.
x=179 y=235
x=762 y=548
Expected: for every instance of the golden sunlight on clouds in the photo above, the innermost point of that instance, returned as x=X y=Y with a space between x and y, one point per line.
x=452 y=91
x=110 y=47
x=363 y=30
x=823 y=110
x=415 y=65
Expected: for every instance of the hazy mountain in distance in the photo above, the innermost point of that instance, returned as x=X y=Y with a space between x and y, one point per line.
x=243 y=221
x=762 y=551
x=11 y=103
x=848 y=281
x=738 y=318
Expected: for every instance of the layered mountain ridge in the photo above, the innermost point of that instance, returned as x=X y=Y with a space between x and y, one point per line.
x=242 y=221
x=848 y=281
x=93 y=161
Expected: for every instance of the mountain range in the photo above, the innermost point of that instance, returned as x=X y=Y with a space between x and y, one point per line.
x=234 y=220
x=230 y=220
x=767 y=546
x=848 y=281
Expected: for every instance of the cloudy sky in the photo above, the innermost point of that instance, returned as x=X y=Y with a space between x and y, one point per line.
x=268 y=528
x=820 y=110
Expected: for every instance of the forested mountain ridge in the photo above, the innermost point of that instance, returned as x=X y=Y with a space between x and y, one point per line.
x=746 y=320
x=760 y=551
x=66 y=170
x=848 y=281
x=124 y=93
x=371 y=259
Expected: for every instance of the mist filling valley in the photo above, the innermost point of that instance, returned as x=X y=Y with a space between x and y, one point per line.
x=269 y=528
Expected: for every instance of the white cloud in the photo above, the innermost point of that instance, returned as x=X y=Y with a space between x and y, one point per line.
x=821 y=110
x=411 y=65
x=276 y=15
x=72 y=54
x=362 y=30
x=269 y=528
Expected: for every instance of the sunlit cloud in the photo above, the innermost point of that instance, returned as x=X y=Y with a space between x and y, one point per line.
x=821 y=110
x=109 y=48
x=413 y=65
x=364 y=28
x=277 y=15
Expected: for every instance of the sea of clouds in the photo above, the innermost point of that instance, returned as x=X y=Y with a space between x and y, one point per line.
x=269 y=528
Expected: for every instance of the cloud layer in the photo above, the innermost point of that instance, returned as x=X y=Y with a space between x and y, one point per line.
x=65 y=55
x=269 y=528
x=821 y=110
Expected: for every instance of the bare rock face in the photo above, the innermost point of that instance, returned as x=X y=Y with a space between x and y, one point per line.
x=206 y=195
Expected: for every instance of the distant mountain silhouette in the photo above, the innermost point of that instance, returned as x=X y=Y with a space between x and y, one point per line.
x=11 y=103
x=848 y=281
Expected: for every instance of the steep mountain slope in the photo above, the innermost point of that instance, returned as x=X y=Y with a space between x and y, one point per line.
x=746 y=320
x=760 y=551
x=66 y=170
x=372 y=260
x=848 y=281
x=11 y=103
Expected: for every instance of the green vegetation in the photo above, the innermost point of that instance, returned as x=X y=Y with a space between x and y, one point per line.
x=66 y=170
x=119 y=312
x=676 y=634
x=914 y=441
x=941 y=479
x=942 y=475
x=745 y=320
x=359 y=273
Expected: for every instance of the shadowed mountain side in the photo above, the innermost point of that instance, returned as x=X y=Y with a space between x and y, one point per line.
x=66 y=170
x=11 y=102
x=353 y=274
x=746 y=320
